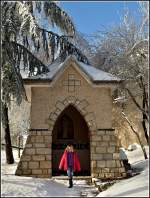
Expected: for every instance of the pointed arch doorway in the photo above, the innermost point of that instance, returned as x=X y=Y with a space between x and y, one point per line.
x=70 y=127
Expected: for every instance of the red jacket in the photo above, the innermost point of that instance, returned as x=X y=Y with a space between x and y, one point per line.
x=64 y=165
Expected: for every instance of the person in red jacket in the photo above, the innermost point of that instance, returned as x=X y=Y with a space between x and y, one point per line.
x=70 y=163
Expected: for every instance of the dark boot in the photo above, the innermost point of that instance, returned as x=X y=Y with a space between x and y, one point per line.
x=70 y=183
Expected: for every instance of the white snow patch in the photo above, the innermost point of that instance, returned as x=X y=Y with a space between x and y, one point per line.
x=97 y=74
x=121 y=99
x=133 y=147
x=137 y=155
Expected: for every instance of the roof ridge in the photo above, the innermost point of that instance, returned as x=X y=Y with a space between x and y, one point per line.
x=95 y=74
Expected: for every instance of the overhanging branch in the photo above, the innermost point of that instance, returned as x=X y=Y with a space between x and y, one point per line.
x=137 y=104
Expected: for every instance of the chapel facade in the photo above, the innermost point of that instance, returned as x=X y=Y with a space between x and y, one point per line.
x=71 y=104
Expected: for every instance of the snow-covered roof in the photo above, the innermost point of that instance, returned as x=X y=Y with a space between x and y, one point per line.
x=96 y=75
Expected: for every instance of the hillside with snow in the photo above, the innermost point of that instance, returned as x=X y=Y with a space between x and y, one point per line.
x=137 y=186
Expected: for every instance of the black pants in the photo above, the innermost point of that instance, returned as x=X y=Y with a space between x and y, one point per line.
x=126 y=165
x=70 y=175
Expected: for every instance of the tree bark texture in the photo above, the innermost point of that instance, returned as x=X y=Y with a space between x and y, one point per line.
x=8 y=148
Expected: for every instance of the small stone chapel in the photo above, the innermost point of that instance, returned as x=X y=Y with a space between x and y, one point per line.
x=72 y=103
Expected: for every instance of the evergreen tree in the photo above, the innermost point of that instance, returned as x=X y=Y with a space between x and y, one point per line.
x=22 y=37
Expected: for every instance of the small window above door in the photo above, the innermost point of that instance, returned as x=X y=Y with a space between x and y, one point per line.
x=65 y=128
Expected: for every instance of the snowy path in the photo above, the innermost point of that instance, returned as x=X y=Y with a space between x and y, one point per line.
x=16 y=186
x=33 y=187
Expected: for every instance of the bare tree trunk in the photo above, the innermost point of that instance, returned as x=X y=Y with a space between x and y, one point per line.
x=8 y=148
x=144 y=106
x=137 y=104
x=137 y=135
x=144 y=124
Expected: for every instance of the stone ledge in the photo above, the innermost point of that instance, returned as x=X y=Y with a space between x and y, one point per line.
x=38 y=129
x=106 y=129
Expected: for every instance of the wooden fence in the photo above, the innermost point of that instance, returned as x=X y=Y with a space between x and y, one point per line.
x=15 y=147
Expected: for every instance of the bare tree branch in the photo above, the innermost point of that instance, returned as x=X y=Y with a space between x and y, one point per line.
x=137 y=104
x=136 y=133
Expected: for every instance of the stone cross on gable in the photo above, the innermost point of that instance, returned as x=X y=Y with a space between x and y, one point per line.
x=71 y=83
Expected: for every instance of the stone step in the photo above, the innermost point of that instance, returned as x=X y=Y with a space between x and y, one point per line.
x=89 y=178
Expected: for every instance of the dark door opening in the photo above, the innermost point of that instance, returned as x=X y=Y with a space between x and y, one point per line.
x=70 y=127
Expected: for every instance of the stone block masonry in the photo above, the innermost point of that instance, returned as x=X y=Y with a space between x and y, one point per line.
x=105 y=162
x=36 y=157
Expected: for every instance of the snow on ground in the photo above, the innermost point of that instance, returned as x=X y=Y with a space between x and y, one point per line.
x=136 y=155
x=17 y=186
x=137 y=186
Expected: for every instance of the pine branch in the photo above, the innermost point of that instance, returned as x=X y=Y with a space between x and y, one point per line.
x=59 y=17
x=63 y=42
x=66 y=47
x=54 y=33
x=12 y=83
x=30 y=30
x=18 y=53
x=55 y=40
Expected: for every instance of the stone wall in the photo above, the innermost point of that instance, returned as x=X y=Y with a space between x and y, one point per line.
x=36 y=159
x=105 y=162
x=98 y=97
x=36 y=156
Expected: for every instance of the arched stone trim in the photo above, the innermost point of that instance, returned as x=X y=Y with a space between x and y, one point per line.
x=80 y=105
